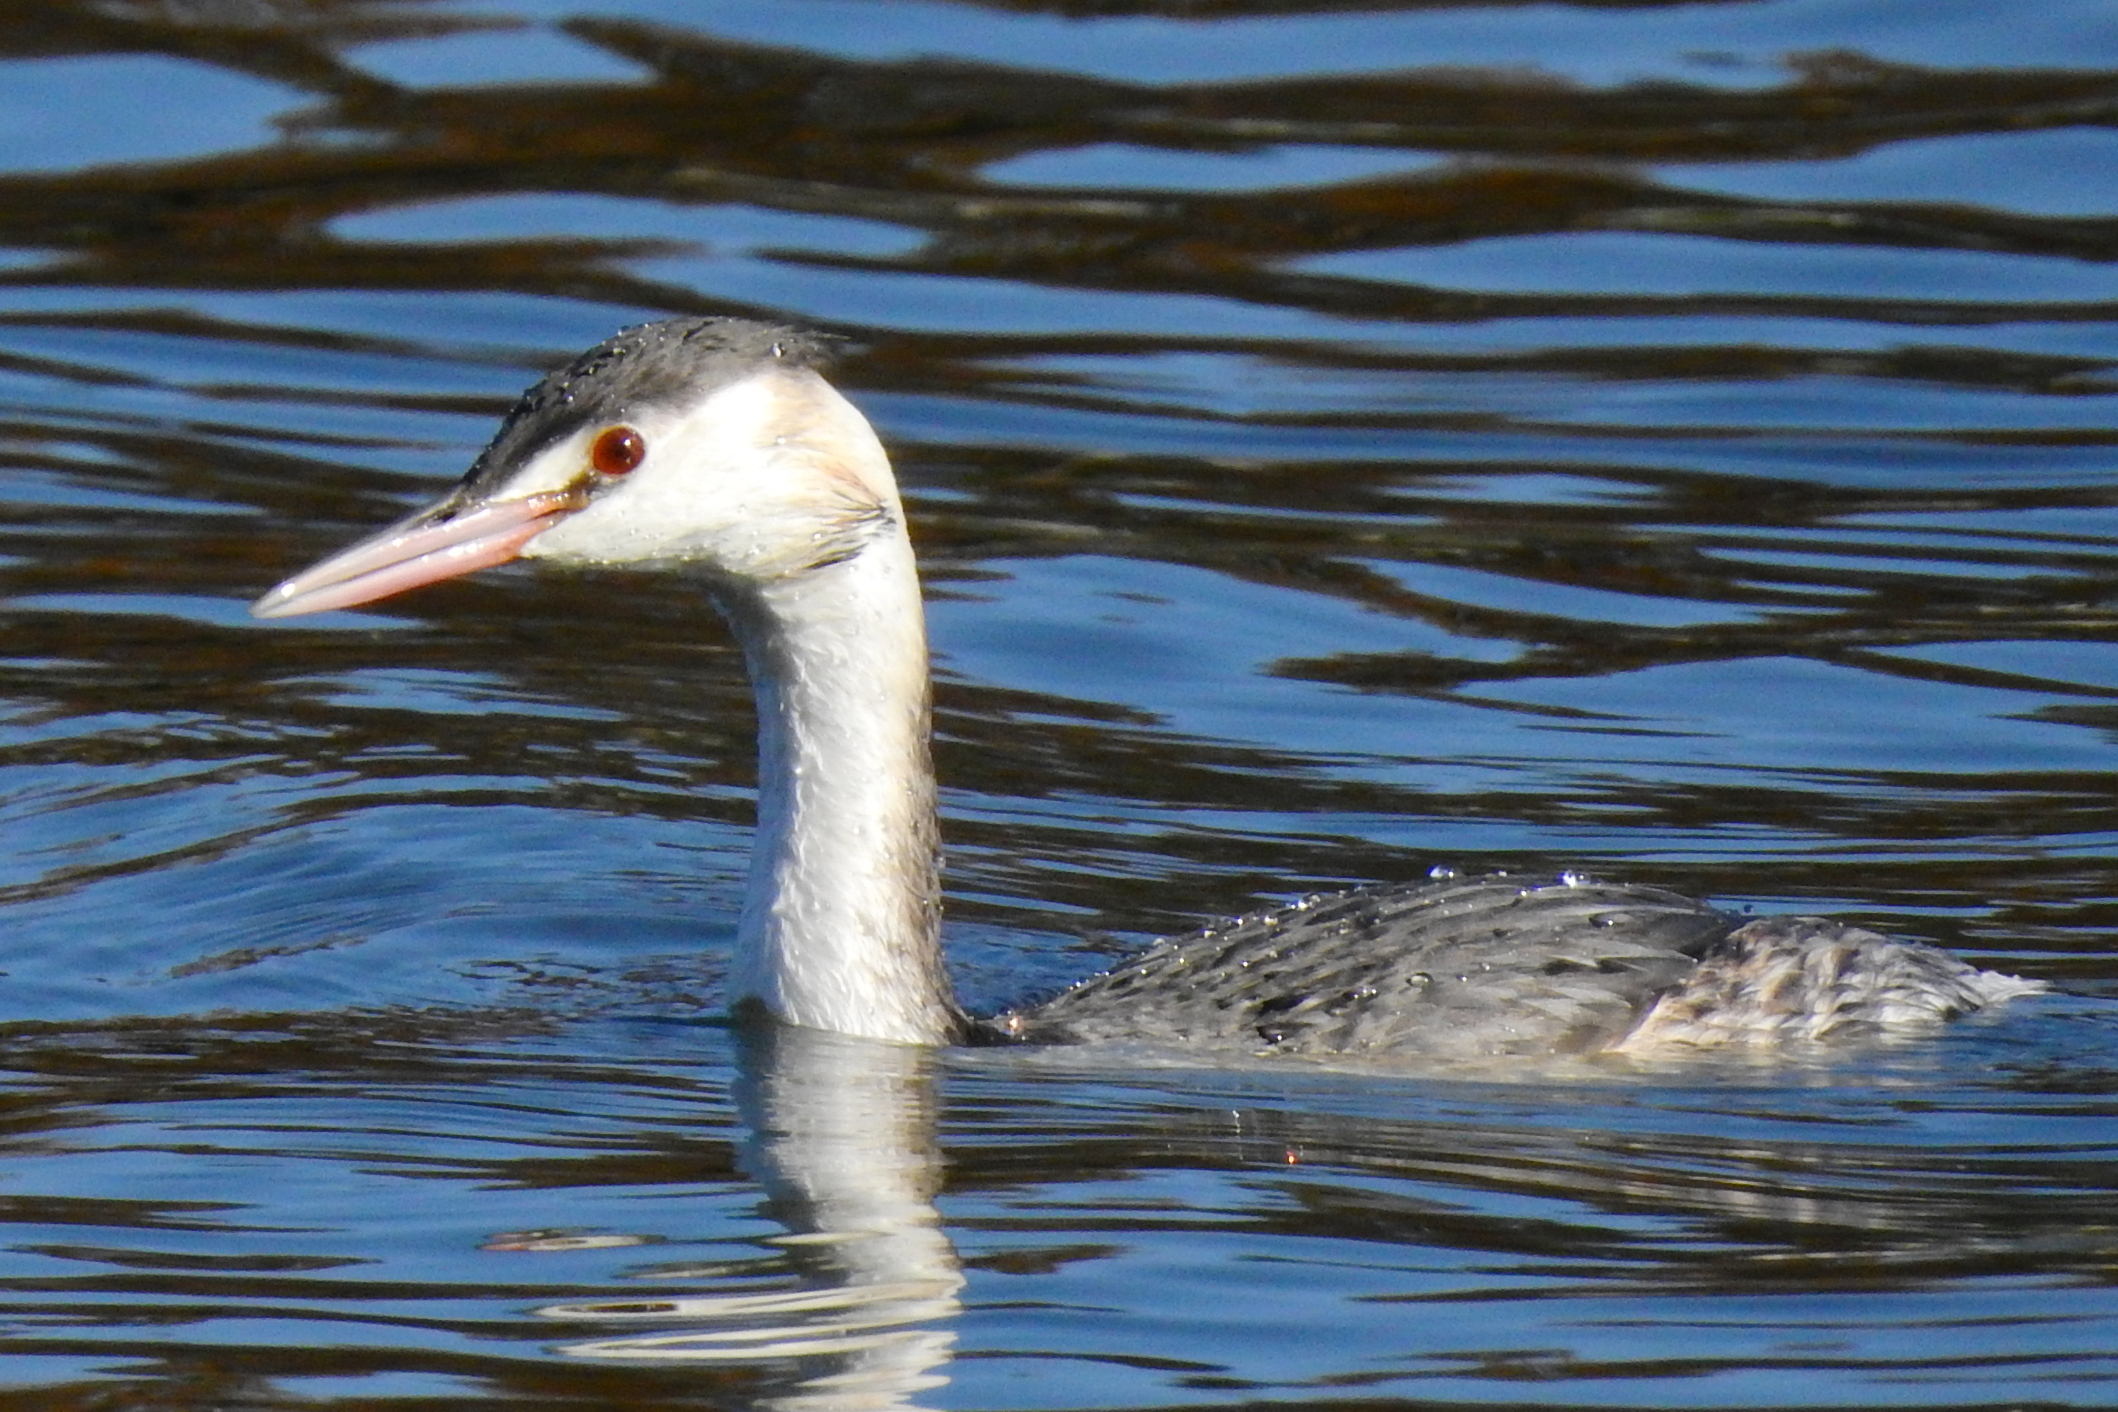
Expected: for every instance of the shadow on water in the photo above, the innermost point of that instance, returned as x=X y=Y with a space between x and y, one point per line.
x=1672 y=439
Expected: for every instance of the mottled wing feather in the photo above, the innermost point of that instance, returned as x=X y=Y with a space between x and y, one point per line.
x=1811 y=978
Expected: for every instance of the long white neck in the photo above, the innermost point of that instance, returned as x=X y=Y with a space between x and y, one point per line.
x=841 y=921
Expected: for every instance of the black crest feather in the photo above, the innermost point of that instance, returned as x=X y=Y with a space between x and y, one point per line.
x=648 y=365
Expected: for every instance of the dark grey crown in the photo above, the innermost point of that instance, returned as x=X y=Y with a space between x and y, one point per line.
x=648 y=365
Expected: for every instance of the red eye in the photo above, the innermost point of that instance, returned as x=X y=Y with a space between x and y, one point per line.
x=617 y=450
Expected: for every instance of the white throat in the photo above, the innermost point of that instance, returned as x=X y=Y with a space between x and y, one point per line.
x=841 y=919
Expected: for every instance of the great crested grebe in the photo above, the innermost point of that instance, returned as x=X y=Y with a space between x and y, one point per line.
x=714 y=447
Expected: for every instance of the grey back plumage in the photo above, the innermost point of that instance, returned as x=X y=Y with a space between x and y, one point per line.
x=1466 y=970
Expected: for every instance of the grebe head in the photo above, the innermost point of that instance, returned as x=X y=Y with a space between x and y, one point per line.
x=715 y=446
x=705 y=442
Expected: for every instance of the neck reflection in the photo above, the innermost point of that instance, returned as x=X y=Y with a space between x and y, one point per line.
x=842 y=1136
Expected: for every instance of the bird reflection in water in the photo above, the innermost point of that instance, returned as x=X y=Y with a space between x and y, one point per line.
x=842 y=1138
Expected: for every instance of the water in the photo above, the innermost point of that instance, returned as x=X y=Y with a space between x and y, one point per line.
x=1671 y=442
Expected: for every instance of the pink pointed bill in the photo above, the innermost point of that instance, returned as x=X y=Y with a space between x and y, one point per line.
x=417 y=551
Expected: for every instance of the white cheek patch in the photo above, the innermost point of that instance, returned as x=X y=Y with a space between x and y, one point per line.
x=741 y=482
